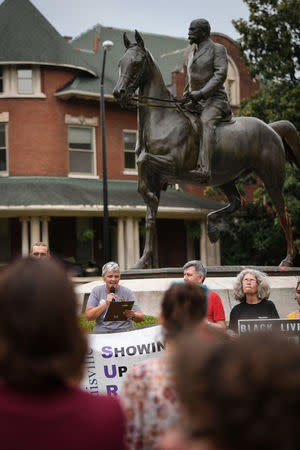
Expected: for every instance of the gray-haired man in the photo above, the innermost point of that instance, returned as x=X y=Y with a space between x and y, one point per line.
x=101 y=297
x=195 y=272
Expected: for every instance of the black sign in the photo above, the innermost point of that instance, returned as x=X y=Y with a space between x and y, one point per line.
x=287 y=327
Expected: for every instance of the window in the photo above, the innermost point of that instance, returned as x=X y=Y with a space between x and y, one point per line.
x=232 y=83
x=1 y=79
x=82 y=150
x=3 y=148
x=229 y=86
x=25 y=80
x=20 y=81
x=129 y=139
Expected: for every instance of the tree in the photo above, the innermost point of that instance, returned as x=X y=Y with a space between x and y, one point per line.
x=273 y=101
x=253 y=236
x=270 y=42
x=270 y=45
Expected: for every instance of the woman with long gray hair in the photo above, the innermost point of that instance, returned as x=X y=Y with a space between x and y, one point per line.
x=252 y=290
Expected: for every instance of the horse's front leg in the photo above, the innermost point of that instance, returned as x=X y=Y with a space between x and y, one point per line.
x=149 y=187
x=145 y=260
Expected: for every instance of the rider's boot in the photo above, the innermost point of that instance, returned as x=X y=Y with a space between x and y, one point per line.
x=203 y=167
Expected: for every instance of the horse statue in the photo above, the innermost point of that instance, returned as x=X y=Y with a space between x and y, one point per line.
x=168 y=143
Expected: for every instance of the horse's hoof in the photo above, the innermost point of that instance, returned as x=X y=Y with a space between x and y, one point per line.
x=213 y=234
x=142 y=263
x=287 y=262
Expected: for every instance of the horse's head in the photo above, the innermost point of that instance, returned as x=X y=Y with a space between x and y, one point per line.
x=131 y=68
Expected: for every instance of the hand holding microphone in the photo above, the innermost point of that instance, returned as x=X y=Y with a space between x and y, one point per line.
x=111 y=297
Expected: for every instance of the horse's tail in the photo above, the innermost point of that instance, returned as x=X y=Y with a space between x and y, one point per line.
x=290 y=138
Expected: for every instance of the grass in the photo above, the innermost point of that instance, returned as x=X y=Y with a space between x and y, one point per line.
x=89 y=324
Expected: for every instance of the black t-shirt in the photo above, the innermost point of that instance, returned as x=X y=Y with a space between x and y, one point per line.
x=262 y=310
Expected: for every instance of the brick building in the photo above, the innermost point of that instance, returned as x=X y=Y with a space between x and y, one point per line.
x=50 y=145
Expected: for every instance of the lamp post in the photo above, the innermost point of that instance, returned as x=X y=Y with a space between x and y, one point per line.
x=107 y=45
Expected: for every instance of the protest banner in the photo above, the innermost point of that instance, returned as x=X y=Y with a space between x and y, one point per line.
x=111 y=355
x=289 y=328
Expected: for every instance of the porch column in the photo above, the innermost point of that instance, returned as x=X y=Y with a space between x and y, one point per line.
x=25 y=240
x=136 y=237
x=35 y=233
x=121 y=243
x=210 y=253
x=45 y=231
x=129 y=242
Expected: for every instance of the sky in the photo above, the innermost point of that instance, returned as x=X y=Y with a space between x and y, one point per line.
x=170 y=17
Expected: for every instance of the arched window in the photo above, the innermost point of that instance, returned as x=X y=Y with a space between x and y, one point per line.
x=232 y=83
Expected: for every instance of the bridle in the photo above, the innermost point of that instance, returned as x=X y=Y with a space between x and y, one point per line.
x=142 y=100
x=135 y=82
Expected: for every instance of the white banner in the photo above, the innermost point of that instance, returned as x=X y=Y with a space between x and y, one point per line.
x=111 y=355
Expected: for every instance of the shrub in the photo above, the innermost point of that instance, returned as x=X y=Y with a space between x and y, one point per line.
x=89 y=324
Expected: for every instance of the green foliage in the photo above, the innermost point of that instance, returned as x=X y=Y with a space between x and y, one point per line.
x=89 y=325
x=270 y=46
x=194 y=229
x=253 y=236
x=148 y=320
x=270 y=40
x=86 y=235
x=274 y=101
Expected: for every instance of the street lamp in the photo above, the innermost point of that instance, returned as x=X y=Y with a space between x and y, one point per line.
x=107 y=45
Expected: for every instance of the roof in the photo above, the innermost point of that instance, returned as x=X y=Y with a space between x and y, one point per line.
x=26 y=36
x=82 y=193
x=169 y=52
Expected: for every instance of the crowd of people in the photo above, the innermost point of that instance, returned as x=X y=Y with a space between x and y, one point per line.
x=209 y=389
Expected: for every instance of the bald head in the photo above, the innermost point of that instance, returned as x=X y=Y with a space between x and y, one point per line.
x=199 y=31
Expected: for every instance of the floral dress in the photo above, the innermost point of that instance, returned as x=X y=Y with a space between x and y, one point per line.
x=149 y=402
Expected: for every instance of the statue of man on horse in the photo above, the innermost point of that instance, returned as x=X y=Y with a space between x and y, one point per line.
x=206 y=74
x=169 y=137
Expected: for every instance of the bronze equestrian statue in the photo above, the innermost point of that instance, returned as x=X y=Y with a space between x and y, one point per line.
x=168 y=147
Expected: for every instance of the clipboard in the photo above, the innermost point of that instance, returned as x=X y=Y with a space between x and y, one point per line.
x=115 y=311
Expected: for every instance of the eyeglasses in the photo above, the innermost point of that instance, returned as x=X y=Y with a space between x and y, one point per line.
x=246 y=281
x=39 y=254
x=297 y=292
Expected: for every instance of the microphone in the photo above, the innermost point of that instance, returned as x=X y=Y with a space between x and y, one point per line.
x=112 y=290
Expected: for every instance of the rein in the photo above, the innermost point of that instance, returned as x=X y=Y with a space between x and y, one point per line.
x=136 y=101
